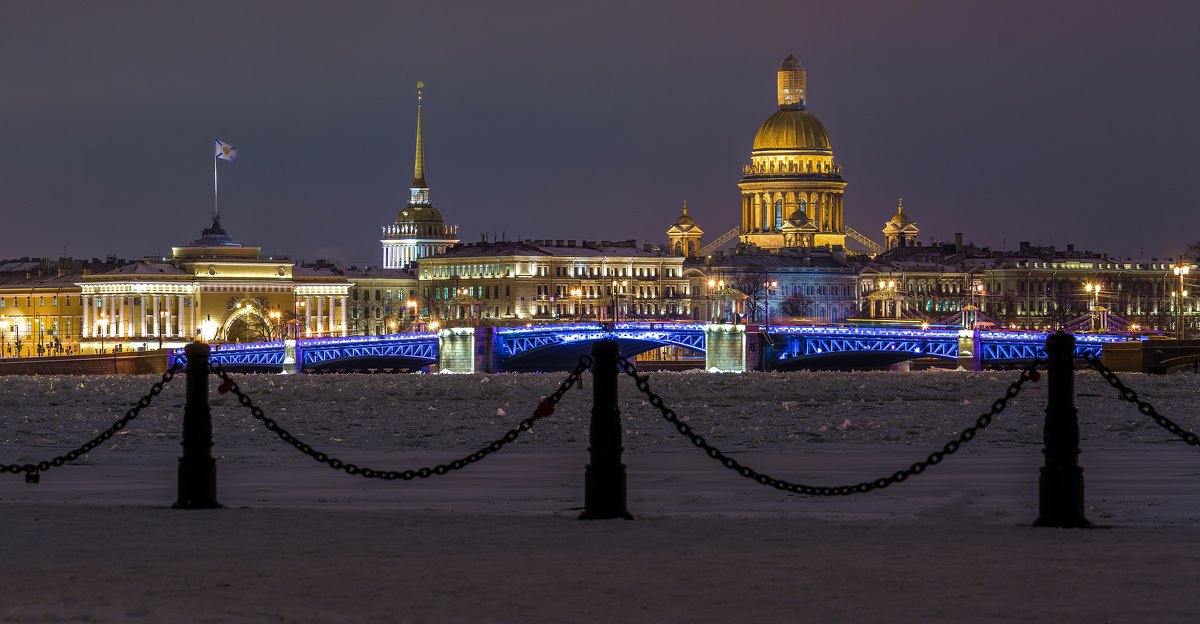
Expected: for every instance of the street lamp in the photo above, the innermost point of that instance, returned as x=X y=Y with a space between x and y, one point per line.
x=1094 y=289
x=575 y=293
x=1181 y=270
x=299 y=314
x=411 y=306
x=889 y=294
x=102 y=329
x=767 y=301
x=162 y=326
x=274 y=315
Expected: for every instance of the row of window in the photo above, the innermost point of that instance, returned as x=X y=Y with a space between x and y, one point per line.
x=16 y=301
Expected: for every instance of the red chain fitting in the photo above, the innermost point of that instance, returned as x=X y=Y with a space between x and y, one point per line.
x=225 y=387
x=545 y=408
x=1034 y=376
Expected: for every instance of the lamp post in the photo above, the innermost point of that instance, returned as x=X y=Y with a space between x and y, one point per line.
x=889 y=294
x=768 y=286
x=274 y=315
x=1094 y=289
x=162 y=326
x=101 y=329
x=714 y=314
x=41 y=348
x=300 y=314
x=1181 y=270
x=3 y=329
x=411 y=307
x=575 y=293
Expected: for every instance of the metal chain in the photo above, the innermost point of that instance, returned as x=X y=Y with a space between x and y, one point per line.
x=1129 y=395
x=33 y=471
x=643 y=384
x=544 y=408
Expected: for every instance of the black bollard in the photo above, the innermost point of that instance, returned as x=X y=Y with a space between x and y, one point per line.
x=1060 y=486
x=604 y=479
x=197 y=468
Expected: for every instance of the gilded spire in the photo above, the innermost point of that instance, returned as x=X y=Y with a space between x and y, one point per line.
x=419 y=166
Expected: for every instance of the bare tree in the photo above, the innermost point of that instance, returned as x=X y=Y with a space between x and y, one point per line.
x=751 y=283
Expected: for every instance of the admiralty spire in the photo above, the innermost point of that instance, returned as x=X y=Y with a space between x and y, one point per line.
x=418 y=231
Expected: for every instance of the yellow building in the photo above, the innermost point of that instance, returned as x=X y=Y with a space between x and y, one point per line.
x=215 y=289
x=39 y=309
x=552 y=280
x=792 y=189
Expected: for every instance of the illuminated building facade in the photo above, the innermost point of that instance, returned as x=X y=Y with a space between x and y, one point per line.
x=553 y=280
x=418 y=231
x=214 y=288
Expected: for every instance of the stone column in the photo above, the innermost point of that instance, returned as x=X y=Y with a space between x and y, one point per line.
x=308 y=326
x=159 y=321
x=87 y=312
x=320 y=314
x=343 y=301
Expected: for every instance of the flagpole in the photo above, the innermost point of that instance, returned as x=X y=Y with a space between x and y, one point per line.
x=216 y=211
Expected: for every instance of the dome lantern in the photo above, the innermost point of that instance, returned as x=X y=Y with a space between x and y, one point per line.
x=791 y=83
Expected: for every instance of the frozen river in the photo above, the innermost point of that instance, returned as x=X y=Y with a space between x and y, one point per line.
x=499 y=541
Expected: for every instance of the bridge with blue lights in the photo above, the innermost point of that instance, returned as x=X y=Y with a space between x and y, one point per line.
x=724 y=347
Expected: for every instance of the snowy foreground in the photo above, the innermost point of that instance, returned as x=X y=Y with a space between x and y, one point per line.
x=499 y=541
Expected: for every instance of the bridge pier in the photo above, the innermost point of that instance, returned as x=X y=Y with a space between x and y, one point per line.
x=732 y=348
x=467 y=350
x=968 y=350
x=293 y=358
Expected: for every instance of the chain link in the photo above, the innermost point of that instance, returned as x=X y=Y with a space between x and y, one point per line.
x=33 y=471
x=643 y=384
x=544 y=408
x=1129 y=395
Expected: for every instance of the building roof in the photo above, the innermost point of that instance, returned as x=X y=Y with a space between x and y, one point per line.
x=551 y=248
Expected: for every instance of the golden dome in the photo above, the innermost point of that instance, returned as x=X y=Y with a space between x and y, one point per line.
x=791 y=129
x=900 y=217
x=419 y=214
x=684 y=219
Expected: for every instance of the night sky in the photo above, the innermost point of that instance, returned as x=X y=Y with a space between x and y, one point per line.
x=1048 y=122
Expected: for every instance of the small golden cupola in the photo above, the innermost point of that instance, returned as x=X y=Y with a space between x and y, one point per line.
x=683 y=236
x=900 y=231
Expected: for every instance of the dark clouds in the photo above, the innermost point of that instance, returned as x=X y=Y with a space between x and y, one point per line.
x=1067 y=122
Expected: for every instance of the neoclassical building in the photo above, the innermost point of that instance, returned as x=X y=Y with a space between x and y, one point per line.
x=553 y=280
x=418 y=231
x=792 y=189
x=214 y=288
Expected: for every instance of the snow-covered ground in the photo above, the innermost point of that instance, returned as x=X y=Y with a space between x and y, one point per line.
x=498 y=541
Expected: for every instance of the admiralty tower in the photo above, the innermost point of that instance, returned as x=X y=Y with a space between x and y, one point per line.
x=792 y=190
x=418 y=231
